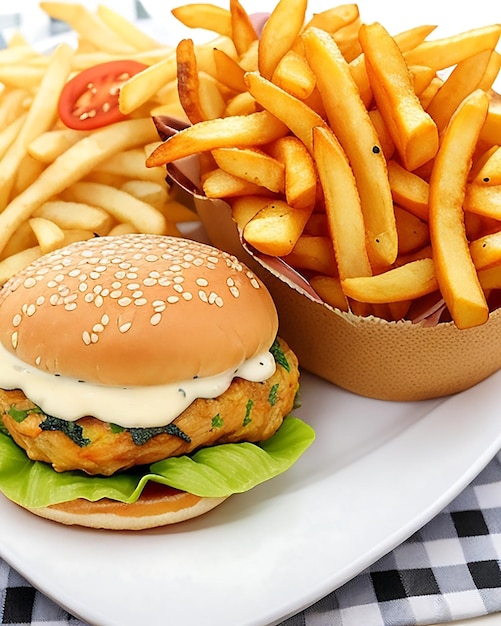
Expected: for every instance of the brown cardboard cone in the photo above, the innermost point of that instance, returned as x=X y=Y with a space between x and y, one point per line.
x=368 y=356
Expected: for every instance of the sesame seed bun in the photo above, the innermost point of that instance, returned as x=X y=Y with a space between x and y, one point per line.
x=102 y=295
x=138 y=311
x=158 y=506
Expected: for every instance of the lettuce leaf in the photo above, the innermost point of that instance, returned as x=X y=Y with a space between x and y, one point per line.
x=218 y=471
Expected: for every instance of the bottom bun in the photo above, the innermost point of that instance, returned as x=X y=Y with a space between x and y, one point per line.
x=157 y=506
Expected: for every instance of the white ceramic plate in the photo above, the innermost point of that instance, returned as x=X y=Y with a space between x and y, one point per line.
x=377 y=472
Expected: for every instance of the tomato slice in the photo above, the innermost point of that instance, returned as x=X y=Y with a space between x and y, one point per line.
x=90 y=99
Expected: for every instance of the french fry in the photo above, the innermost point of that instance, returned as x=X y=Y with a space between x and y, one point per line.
x=16 y=262
x=9 y=134
x=294 y=75
x=351 y=123
x=14 y=104
x=143 y=86
x=486 y=251
x=228 y=71
x=483 y=200
x=241 y=104
x=279 y=33
x=48 y=234
x=409 y=190
x=221 y=184
x=294 y=113
x=131 y=164
x=243 y=33
x=491 y=130
x=75 y=216
x=47 y=146
x=244 y=208
x=276 y=228
x=23 y=238
x=252 y=165
x=446 y=52
x=314 y=253
x=490 y=172
x=122 y=206
x=88 y=25
x=335 y=18
x=126 y=30
x=300 y=173
x=342 y=205
x=40 y=117
x=407 y=282
x=188 y=81
x=330 y=290
x=465 y=78
x=71 y=166
x=454 y=267
x=413 y=233
x=250 y=130
x=207 y=16
x=148 y=191
x=413 y=130
x=406 y=40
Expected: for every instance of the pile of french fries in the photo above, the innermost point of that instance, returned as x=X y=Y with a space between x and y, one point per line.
x=57 y=184
x=370 y=161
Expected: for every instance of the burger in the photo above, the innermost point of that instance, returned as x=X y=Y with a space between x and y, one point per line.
x=142 y=382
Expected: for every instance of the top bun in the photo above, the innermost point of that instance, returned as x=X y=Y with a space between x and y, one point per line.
x=136 y=310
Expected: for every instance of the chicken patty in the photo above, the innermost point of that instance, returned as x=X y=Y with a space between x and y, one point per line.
x=247 y=411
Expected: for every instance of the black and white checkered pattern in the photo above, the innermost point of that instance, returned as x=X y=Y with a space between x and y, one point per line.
x=448 y=570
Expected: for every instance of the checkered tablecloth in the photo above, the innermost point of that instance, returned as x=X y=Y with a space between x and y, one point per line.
x=448 y=570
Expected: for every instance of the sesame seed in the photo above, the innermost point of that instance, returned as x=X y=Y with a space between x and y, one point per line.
x=155 y=319
x=187 y=295
x=124 y=301
x=31 y=310
x=99 y=301
x=29 y=282
x=105 y=319
x=70 y=306
x=123 y=328
x=98 y=328
x=202 y=282
x=14 y=338
x=140 y=301
x=16 y=320
x=172 y=299
x=202 y=295
x=86 y=338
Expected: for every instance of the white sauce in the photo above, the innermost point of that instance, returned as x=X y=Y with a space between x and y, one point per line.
x=130 y=407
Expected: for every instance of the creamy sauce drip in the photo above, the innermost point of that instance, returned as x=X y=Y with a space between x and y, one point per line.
x=130 y=407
